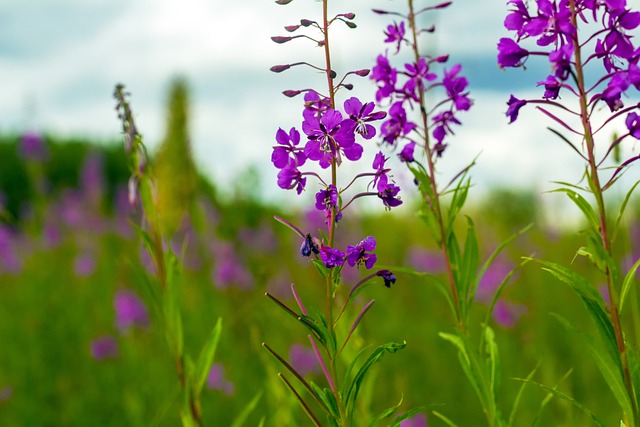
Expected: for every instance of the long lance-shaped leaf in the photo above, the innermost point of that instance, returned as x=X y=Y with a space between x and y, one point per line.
x=386 y=414
x=410 y=413
x=516 y=401
x=244 y=414
x=357 y=322
x=353 y=387
x=592 y=300
x=297 y=375
x=469 y=266
x=563 y=396
x=622 y=210
x=609 y=366
x=446 y=420
x=306 y=408
x=626 y=283
x=583 y=205
x=206 y=357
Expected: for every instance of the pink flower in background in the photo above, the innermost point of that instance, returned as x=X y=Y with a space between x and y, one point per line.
x=32 y=147
x=130 y=311
x=104 y=347
x=84 y=264
x=304 y=360
x=419 y=420
x=217 y=381
x=507 y=314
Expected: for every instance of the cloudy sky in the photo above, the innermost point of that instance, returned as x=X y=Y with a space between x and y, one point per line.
x=59 y=61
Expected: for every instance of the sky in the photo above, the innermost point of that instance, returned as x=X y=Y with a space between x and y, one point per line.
x=60 y=59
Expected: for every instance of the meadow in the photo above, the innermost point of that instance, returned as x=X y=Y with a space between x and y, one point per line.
x=134 y=291
x=68 y=252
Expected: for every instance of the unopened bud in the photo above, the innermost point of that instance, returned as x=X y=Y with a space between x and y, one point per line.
x=281 y=39
x=305 y=22
x=347 y=86
x=379 y=11
x=280 y=68
x=291 y=28
x=362 y=73
x=291 y=93
x=349 y=15
x=283 y=2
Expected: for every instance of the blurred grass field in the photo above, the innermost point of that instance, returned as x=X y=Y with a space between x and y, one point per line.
x=67 y=250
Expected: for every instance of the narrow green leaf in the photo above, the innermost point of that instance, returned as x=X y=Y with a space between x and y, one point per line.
x=241 y=418
x=304 y=405
x=326 y=395
x=354 y=387
x=203 y=365
x=493 y=359
x=563 y=396
x=516 y=401
x=470 y=260
x=386 y=414
x=626 y=283
x=440 y=285
x=609 y=366
x=591 y=299
x=445 y=419
x=583 y=205
x=410 y=413
x=621 y=211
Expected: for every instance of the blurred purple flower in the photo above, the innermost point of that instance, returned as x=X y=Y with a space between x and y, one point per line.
x=6 y=393
x=10 y=262
x=514 y=105
x=507 y=314
x=130 y=311
x=304 y=360
x=229 y=270
x=84 y=264
x=32 y=147
x=331 y=257
x=419 y=420
x=406 y=155
x=510 y=54
x=217 y=381
x=633 y=124
x=395 y=34
x=92 y=178
x=426 y=260
x=551 y=87
x=491 y=280
x=104 y=347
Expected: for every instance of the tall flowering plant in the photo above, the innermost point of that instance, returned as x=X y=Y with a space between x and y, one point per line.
x=331 y=133
x=593 y=65
x=165 y=286
x=425 y=99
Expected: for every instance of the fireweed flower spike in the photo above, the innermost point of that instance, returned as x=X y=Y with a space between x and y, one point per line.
x=330 y=133
x=425 y=98
x=588 y=40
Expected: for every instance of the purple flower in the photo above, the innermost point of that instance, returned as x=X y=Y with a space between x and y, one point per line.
x=327 y=199
x=387 y=276
x=406 y=155
x=417 y=73
x=389 y=195
x=633 y=124
x=104 y=347
x=397 y=125
x=454 y=86
x=290 y=177
x=518 y=17
x=229 y=269
x=331 y=257
x=328 y=136
x=358 y=254
x=514 y=105
x=308 y=246
x=216 y=380
x=443 y=122
x=419 y=420
x=84 y=265
x=561 y=61
x=304 y=360
x=288 y=142
x=5 y=393
x=130 y=311
x=551 y=87
x=612 y=94
x=385 y=76
x=361 y=115
x=315 y=105
x=395 y=34
x=507 y=314
x=381 y=172
x=32 y=147
x=510 y=54
x=553 y=23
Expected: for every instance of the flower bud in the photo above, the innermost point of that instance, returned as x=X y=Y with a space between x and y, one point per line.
x=291 y=93
x=291 y=28
x=280 y=68
x=305 y=22
x=362 y=73
x=281 y=39
x=283 y=2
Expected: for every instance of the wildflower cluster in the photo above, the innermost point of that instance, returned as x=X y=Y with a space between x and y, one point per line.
x=593 y=60
x=609 y=48
x=330 y=134
x=407 y=87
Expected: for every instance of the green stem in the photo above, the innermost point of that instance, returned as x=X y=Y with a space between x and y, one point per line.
x=435 y=204
x=599 y=196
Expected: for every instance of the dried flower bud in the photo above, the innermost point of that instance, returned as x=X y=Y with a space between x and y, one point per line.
x=280 y=68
